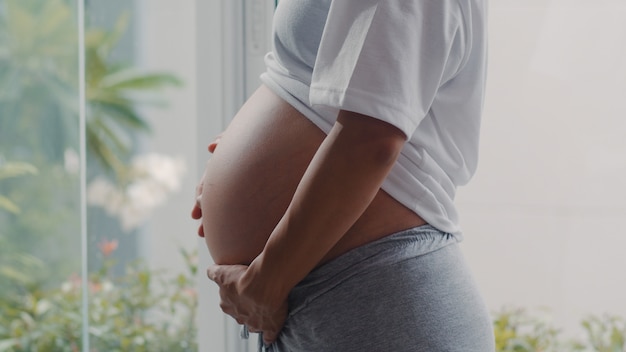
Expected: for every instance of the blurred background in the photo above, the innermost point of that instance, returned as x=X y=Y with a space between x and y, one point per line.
x=100 y=155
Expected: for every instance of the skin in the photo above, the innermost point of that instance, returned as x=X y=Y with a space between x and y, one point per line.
x=327 y=201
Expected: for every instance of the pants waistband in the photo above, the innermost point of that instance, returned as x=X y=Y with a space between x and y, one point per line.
x=388 y=250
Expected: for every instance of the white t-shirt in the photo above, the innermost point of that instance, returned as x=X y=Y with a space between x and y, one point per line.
x=419 y=65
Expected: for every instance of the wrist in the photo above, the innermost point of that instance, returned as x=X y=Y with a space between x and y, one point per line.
x=266 y=285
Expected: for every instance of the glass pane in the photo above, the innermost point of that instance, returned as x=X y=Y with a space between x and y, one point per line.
x=141 y=241
x=141 y=238
x=40 y=239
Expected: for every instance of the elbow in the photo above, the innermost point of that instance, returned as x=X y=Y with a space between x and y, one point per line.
x=381 y=141
x=385 y=152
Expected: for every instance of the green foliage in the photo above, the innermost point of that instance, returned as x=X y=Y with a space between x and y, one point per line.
x=10 y=170
x=114 y=91
x=518 y=330
x=38 y=78
x=47 y=225
x=142 y=310
x=39 y=200
x=39 y=103
x=604 y=334
x=39 y=81
x=17 y=267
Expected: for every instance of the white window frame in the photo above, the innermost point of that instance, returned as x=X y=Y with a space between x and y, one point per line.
x=232 y=39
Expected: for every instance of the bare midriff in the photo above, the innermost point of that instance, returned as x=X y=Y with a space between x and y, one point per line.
x=253 y=174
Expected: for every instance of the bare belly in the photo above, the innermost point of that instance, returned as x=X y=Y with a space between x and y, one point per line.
x=253 y=174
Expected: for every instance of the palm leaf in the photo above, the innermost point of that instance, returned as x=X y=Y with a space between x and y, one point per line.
x=11 y=273
x=8 y=205
x=10 y=84
x=9 y=170
x=112 y=37
x=14 y=169
x=132 y=79
x=21 y=23
x=102 y=150
x=122 y=114
x=56 y=31
x=16 y=261
x=96 y=70
x=105 y=134
x=57 y=15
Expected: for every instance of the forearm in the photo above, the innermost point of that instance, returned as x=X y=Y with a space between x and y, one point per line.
x=339 y=184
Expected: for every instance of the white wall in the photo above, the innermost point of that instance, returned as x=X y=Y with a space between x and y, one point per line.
x=544 y=215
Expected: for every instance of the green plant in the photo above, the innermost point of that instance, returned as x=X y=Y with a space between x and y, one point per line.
x=47 y=225
x=10 y=170
x=39 y=80
x=39 y=103
x=605 y=333
x=520 y=330
x=13 y=266
x=142 y=310
x=516 y=330
x=114 y=91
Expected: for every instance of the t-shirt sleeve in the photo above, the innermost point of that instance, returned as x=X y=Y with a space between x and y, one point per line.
x=386 y=58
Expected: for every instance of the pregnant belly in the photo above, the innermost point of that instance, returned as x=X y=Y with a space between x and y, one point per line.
x=253 y=174
x=252 y=177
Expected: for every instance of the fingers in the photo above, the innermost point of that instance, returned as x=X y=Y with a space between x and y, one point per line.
x=270 y=336
x=222 y=274
x=213 y=273
x=196 y=212
x=213 y=145
x=199 y=189
x=246 y=310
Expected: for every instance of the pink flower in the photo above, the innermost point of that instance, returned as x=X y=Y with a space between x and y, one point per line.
x=107 y=247
x=190 y=292
x=95 y=287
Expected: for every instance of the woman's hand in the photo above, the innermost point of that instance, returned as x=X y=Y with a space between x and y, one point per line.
x=247 y=302
x=213 y=145
x=196 y=212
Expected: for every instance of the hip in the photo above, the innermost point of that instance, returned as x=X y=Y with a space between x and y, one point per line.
x=410 y=291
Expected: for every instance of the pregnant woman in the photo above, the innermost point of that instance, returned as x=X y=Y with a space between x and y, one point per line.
x=327 y=205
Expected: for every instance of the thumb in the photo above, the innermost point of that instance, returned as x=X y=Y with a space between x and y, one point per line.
x=226 y=273
x=269 y=337
x=214 y=272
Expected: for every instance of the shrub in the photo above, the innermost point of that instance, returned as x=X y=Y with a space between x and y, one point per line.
x=141 y=310
x=519 y=330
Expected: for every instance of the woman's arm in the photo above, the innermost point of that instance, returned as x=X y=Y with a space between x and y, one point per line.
x=339 y=184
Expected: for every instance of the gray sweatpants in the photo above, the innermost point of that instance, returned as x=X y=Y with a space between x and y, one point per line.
x=410 y=291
